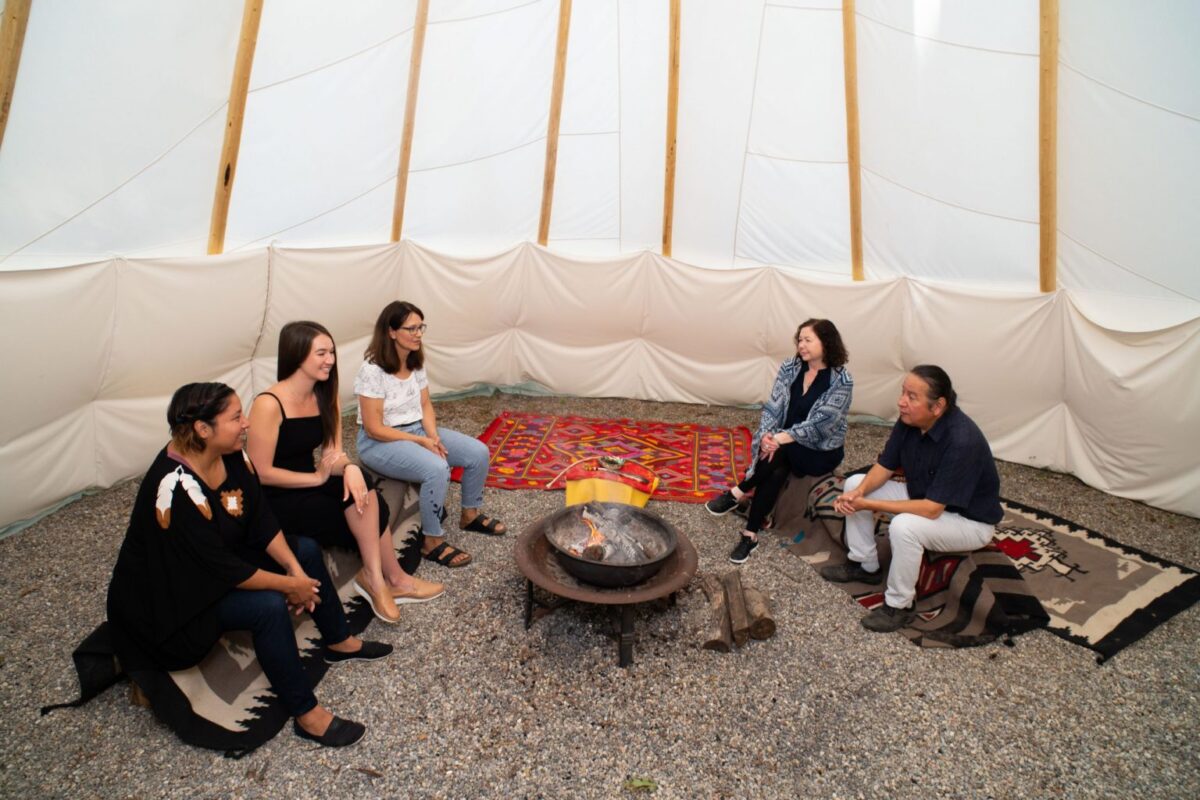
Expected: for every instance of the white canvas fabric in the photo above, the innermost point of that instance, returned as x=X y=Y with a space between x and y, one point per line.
x=1048 y=386
x=109 y=162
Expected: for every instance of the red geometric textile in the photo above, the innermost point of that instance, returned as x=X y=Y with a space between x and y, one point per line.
x=691 y=461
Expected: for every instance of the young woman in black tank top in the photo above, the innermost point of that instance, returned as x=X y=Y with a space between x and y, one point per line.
x=329 y=500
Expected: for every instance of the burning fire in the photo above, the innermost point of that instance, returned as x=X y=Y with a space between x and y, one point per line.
x=595 y=538
x=594 y=548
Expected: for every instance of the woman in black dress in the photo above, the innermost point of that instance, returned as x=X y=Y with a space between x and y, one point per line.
x=331 y=500
x=203 y=555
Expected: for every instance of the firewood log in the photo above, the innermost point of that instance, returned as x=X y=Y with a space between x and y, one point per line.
x=735 y=598
x=758 y=606
x=716 y=634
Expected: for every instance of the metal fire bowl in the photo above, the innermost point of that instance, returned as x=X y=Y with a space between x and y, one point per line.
x=656 y=534
x=536 y=561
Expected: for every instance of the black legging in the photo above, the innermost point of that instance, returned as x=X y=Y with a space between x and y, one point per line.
x=767 y=481
x=769 y=476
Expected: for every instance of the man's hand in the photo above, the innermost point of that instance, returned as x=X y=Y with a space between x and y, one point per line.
x=849 y=503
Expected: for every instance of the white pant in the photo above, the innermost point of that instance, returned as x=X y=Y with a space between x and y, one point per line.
x=911 y=535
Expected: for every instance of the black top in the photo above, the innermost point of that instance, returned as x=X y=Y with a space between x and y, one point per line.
x=298 y=438
x=801 y=401
x=951 y=465
x=316 y=511
x=186 y=547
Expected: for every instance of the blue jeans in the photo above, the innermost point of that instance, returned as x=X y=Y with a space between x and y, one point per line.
x=265 y=614
x=409 y=461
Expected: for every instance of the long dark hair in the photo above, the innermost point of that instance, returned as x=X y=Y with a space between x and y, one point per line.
x=831 y=341
x=382 y=350
x=192 y=403
x=938 y=382
x=295 y=345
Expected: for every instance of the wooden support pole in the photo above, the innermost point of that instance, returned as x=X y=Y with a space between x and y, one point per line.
x=853 y=164
x=410 y=114
x=12 y=38
x=234 y=115
x=1048 y=148
x=556 y=96
x=672 y=126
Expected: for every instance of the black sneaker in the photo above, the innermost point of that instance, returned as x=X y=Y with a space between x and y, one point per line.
x=742 y=551
x=851 y=572
x=886 y=619
x=722 y=504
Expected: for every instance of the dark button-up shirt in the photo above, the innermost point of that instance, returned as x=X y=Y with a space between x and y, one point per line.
x=951 y=464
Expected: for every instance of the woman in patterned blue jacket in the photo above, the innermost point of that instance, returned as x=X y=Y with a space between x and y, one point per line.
x=802 y=431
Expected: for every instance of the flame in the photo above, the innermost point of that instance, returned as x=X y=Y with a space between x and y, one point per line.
x=595 y=537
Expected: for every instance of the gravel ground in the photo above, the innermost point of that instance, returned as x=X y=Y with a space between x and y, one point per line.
x=472 y=705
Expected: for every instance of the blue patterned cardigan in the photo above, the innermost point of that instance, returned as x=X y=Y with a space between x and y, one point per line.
x=825 y=427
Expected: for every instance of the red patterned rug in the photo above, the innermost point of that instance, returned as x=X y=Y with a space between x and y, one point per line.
x=691 y=461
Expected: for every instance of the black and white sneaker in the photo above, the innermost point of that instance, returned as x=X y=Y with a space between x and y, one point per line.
x=744 y=548
x=722 y=504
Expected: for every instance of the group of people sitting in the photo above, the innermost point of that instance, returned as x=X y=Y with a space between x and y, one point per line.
x=947 y=497
x=227 y=529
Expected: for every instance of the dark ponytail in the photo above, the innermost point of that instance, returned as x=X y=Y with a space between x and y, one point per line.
x=938 y=382
x=192 y=403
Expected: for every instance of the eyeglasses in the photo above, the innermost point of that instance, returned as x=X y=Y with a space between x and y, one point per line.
x=413 y=330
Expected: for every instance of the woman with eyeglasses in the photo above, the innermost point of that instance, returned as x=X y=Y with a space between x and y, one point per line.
x=331 y=502
x=802 y=430
x=398 y=435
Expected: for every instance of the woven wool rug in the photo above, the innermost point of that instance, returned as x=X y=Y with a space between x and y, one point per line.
x=530 y=450
x=1040 y=570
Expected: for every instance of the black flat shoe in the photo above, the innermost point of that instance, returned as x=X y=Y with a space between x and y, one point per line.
x=368 y=652
x=340 y=733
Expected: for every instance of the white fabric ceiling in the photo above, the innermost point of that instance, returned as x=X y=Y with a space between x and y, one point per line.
x=112 y=144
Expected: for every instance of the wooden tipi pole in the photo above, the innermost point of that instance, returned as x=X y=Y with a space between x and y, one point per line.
x=12 y=38
x=410 y=114
x=853 y=164
x=234 y=115
x=672 y=123
x=556 y=97
x=1048 y=148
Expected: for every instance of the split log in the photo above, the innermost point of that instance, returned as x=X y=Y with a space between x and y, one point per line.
x=716 y=634
x=735 y=598
x=758 y=606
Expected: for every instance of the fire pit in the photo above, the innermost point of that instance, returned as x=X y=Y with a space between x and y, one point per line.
x=544 y=568
x=609 y=544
